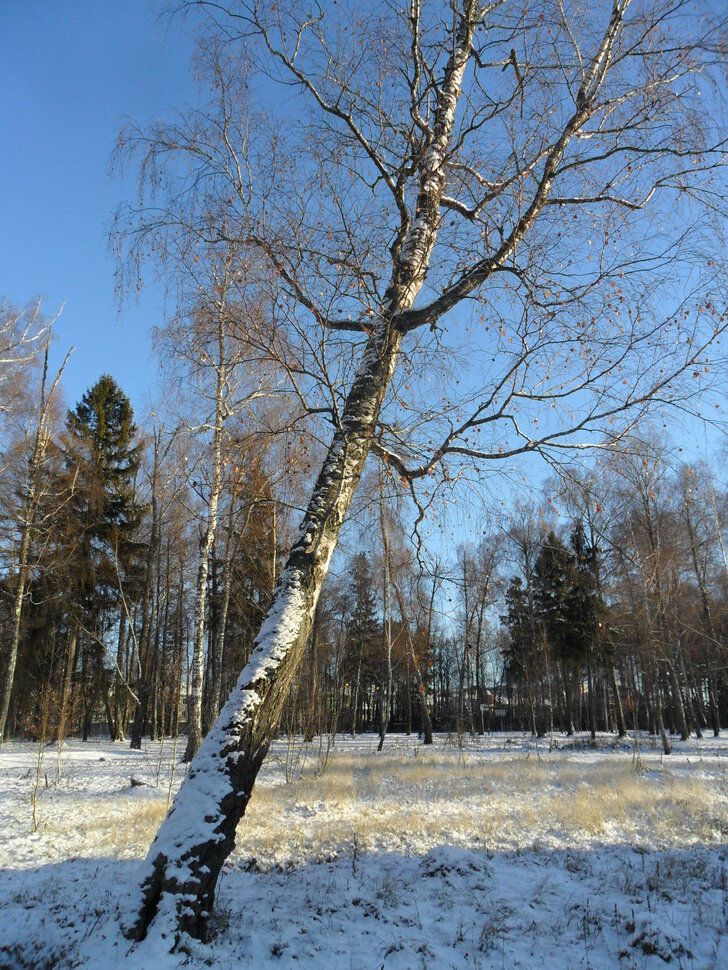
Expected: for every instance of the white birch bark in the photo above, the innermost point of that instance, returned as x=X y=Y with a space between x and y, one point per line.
x=184 y=862
x=27 y=524
x=207 y=540
x=231 y=546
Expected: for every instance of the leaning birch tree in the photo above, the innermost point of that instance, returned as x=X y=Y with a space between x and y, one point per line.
x=498 y=186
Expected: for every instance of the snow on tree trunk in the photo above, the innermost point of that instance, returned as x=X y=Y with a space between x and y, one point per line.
x=199 y=832
x=185 y=859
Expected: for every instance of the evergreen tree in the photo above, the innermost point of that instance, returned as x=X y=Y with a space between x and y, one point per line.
x=363 y=629
x=518 y=654
x=589 y=610
x=102 y=521
x=554 y=575
x=524 y=653
x=587 y=606
x=103 y=457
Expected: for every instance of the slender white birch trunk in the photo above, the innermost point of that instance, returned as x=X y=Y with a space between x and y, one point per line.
x=27 y=522
x=207 y=540
x=386 y=700
x=230 y=547
x=23 y=569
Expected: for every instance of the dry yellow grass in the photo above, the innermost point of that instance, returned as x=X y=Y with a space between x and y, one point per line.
x=122 y=831
x=409 y=804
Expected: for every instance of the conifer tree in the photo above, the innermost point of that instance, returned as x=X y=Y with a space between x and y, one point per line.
x=363 y=629
x=104 y=515
x=100 y=444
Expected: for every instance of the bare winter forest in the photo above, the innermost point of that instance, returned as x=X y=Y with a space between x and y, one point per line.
x=428 y=525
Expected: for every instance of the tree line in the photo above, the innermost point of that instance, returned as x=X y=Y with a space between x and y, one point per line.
x=601 y=605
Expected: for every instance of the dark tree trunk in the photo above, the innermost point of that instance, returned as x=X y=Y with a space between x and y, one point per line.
x=618 y=710
x=145 y=638
x=310 y=725
x=425 y=722
x=714 y=712
x=678 y=707
x=120 y=687
x=592 y=699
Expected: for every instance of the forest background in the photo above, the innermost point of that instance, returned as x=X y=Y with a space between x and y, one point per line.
x=140 y=546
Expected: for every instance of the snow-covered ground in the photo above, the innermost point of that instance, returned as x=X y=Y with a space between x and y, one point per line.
x=494 y=854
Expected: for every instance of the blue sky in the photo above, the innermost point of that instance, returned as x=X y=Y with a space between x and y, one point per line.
x=70 y=71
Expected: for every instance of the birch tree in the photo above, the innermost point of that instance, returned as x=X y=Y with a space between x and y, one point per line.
x=26 y=524
x=493 y=184
x=223 y=400
x=24 y=334
x=220 y=374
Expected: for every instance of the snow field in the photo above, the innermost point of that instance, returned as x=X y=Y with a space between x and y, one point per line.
x=493 y=854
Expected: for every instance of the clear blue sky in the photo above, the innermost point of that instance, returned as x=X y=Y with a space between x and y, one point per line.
x=70 y=71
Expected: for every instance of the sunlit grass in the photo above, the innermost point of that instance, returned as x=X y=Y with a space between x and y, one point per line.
x=411 y=804
x=100 y=827
x=400 y=801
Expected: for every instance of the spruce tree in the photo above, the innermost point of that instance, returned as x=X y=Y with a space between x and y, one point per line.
x=103 y=457
x=363 y=630
x=555 y=582
x=102 y=454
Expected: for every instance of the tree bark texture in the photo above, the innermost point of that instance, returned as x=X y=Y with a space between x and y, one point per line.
x=198 y=834
x=207 y=541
